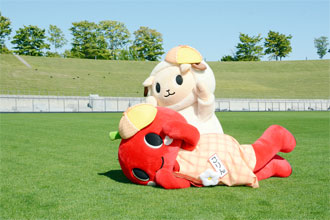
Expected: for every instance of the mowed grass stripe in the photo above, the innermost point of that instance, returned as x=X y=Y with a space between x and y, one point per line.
x=285 y=79
x=63 y=166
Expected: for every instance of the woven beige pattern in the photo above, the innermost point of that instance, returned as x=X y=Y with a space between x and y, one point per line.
x=238 y=159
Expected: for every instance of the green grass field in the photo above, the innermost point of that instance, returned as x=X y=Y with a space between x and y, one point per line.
x=62 y=166
x=285 y=79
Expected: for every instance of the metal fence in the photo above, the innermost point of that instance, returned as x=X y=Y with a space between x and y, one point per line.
x=92 y=103
x=49 y=92
x=272 y=105
x=95 y=103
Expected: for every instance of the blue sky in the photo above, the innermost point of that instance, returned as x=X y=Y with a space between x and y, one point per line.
x=212 y=27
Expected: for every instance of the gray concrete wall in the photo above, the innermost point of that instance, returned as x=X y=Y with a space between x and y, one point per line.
x=94 y=103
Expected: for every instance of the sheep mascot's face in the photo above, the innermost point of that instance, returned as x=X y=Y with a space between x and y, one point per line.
x=174 y=83
x=171 y=86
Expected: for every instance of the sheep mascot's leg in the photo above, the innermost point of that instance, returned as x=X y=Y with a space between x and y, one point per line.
x=275 y=139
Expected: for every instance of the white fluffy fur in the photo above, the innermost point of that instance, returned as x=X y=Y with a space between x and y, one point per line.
x=197 y=112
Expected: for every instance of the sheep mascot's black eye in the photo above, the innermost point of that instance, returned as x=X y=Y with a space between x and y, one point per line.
x=158 y=87
x=179 y=79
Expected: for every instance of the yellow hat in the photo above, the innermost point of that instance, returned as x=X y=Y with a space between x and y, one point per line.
x=135 y=118
x=183 y=54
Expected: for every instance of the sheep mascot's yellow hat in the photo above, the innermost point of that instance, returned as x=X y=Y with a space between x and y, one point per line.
x=184 y=54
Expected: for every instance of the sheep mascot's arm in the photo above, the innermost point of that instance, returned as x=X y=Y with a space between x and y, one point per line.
x=205 y=101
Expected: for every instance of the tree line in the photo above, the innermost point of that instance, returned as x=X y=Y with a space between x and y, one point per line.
x=276 y=45
x=111 y=40
x=250 y=49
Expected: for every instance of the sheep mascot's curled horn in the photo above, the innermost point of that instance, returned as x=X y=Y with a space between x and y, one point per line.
x=185 y=83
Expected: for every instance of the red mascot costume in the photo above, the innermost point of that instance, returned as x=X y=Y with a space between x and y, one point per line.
x=159 y=147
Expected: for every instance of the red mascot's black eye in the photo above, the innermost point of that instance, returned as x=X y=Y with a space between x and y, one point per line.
x=140 y=174
x=153 y=140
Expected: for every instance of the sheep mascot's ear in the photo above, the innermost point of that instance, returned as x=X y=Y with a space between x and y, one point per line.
x=184 y=68
x=147 y=83
x=199 y=66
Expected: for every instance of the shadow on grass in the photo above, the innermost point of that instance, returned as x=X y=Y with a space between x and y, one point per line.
x=116 y=175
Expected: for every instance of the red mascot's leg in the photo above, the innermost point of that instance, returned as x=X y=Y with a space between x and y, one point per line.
x=277 y=166
x=275 y=139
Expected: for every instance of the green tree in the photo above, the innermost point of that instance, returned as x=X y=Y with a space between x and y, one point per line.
x=228 y=58
x=128 y=54
x=30 y=40
x=5 y=31
x=321 y=45
x=248 y=49
x=56 y=38
x=277 y=45
x=116 y=37
x=147 y=44
x=87 y=42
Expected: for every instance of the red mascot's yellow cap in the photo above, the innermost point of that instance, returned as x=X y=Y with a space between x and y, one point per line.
x=135 y=118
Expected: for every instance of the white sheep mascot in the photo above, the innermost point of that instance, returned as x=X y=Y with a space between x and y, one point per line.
x=185 y=83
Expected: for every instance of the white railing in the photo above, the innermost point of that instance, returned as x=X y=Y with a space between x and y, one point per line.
x=95 y=103
x=272 y=105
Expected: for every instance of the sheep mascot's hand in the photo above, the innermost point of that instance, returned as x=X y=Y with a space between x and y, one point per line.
x=202 y=91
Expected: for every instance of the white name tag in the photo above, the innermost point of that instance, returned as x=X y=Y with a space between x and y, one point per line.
x=218 y=165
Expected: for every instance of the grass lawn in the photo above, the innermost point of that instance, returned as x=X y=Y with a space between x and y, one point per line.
x=285 y=79
x=62 y=166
